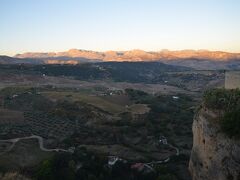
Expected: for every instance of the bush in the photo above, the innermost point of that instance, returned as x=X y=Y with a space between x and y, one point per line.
x=230 y=123
x=229 y=102
x=60 y=167
x=222 y=99
x=135 y=94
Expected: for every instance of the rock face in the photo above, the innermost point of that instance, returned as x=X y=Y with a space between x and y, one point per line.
x=214 y=155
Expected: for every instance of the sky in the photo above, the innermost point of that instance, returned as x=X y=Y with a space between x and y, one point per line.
x=101 y=25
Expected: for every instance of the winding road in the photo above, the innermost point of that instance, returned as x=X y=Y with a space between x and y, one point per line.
x=40 y=141
x=167 y=159
x=41 y=146
x=150 y=164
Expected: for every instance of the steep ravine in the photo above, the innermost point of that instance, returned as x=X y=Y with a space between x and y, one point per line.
x=214 y=155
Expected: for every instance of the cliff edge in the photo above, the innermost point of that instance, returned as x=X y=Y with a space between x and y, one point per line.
x=216 y=144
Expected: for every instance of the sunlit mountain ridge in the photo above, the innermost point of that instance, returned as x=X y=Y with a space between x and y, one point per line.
x=135 y=55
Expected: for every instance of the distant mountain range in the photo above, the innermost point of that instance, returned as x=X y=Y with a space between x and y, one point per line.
x=134 y=55
x=201 y=59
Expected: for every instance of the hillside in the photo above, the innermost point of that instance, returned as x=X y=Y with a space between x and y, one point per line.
x=201 y=60
x=136 y=55
x=10 y=60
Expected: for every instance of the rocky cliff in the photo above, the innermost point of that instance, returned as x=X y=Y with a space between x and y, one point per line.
x=214 y=155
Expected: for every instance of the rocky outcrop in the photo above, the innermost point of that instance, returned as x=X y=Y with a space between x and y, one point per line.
x=214 y=155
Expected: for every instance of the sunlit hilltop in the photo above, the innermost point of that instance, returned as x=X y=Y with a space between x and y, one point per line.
x=134 y=55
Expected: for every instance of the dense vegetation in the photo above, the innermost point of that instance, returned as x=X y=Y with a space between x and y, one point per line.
x=131 y=72
x=227 y=101
x=84 y=165
x=124 y=71
x=168 y=116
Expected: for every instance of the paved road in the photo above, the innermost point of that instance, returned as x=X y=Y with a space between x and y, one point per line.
x=41 y=146
x=149 y=165
x=40 y=141
x=167 y=159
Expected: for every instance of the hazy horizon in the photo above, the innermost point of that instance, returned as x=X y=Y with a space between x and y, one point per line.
x=160 y=50
x=55 y=26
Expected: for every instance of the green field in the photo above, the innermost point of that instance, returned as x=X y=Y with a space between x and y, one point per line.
x=139 y=108
x=114 y=104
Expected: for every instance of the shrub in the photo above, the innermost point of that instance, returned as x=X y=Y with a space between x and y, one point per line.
x=222 y=99
x=229 y=102
x=230 y=123
x=136 y=94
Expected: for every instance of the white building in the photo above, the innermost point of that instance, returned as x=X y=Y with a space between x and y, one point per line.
x=175 y=97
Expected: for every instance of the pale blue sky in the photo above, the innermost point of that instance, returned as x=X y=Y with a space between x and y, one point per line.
x=58 y=25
